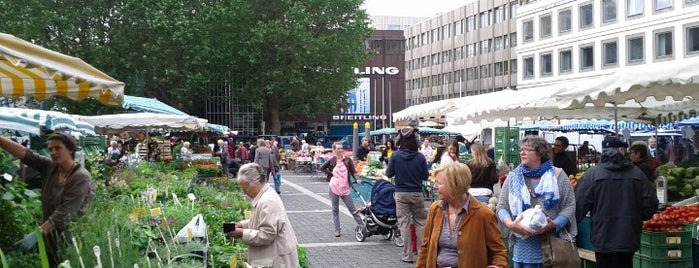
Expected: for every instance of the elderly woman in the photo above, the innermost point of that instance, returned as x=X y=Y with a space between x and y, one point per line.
x=66 y=187
x=460 y=231
x=550 y=188
x=186 y=151
x=638 y=155
x=268 y=233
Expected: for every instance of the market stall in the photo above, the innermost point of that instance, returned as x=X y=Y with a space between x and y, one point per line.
x=30 y=70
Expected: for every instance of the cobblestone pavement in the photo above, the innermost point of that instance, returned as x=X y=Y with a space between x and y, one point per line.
x=306 y=200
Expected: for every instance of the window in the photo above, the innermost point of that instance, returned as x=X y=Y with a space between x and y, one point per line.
x=513 y=66
x=471 y=50
x=513 y=9
x=545 y=26
x=459 y=27
x=513 y=39
x=435 y=35
x=586 y=16
x=446 y=56
x=691 y=1
x=635 y=49
x=485 y=46
x=608 y=11
x=470 y=74
x=663 y=4
x=546 y=64
x=610 y=55
x=446 y=33
x=498 y=69
x=663 y=45
x=528 y=29
x=485 y=18
x=499 y=14
x=529 y=67
x=587 y=58
x=435 y=59
x=485 y=71
x=692 y=39
x=565 y=61
x=634 y=7
x=471 y=23
x=499 y=43
x=564 y=21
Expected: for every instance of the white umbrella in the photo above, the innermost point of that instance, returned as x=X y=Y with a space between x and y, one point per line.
x=52 y=120
x=144 y=121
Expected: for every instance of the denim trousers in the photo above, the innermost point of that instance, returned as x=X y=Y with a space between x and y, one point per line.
x=278 y=181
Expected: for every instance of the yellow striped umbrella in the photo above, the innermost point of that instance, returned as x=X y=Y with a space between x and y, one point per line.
x=30 y=70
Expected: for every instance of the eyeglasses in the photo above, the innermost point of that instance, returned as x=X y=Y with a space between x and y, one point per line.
x=526 y=150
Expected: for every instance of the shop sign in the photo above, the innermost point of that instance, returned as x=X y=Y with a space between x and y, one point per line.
x=377 y=70
x=359 y=117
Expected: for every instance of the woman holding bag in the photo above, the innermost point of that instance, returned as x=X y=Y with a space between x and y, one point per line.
x=340 y=170
x=550 y=188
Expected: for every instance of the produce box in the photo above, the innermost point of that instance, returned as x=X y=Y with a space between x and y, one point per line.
x=666 y=238
x=583 y=238
x=665 y=252
x=645 y=262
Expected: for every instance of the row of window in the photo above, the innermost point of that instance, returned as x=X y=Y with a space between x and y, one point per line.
x=634 y=9
x=459 y=53
x=468 y=24
x=474 y=73
x=635 y=44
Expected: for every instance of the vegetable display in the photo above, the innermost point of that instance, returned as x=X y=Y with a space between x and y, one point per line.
x=672 y=219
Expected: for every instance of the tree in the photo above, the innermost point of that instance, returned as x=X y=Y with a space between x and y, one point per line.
x=286 y=55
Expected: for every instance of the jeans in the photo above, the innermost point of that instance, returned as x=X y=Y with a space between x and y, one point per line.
x=349 y=203
x=410 y=209
x=528 y=265
x=483 y=198
x=278 y=181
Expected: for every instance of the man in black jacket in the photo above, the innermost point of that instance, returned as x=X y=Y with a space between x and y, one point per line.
x=561 y=159
x=620 y=198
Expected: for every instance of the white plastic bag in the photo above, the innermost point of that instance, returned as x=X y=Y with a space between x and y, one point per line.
x=533 y=219
x=196 y=228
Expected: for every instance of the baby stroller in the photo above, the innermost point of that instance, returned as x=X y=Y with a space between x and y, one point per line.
x=379 y=216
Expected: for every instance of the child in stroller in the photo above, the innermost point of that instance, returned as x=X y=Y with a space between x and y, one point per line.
x=379 y=215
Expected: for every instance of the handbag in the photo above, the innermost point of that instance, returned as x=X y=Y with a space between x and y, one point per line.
x=555 y=251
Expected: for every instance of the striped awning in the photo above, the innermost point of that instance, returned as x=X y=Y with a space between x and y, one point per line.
x=30 y=70
x=149 y=105
x=11 y=122
x=51 y=120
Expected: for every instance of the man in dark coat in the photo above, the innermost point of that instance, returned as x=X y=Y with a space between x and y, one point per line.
x=561 y=159
x=619 y=198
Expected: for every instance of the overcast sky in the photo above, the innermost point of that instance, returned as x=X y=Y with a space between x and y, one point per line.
x=412 y=8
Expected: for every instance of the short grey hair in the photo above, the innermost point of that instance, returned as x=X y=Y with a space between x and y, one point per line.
x=540 y=145
x=252 y=172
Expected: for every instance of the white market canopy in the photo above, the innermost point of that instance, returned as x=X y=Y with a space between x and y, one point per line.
x=12 y=122
x=30 y=70
x=144 y=121
x=676 y=79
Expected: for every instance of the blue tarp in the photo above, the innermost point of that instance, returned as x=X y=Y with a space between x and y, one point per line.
x=604 y=125
x=694 y=121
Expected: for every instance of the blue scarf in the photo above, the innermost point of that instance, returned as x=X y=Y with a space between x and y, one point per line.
x=519 y=197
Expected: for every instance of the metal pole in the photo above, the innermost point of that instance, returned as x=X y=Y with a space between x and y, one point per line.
x=616 y=120
x=383 y=100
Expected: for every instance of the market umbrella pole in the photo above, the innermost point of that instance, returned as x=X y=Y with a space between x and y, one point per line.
x=355 y=138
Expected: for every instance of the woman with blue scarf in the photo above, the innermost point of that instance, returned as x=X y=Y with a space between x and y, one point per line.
x=551 y=189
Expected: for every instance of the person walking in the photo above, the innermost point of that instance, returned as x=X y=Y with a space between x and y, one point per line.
x=340 y=171
x=263 y=157
x=268 y=233
x=619 y=198
x=460 y=231
x=536 y=178
x=408 y=167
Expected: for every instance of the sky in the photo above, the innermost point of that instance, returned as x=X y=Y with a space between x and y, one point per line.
x=412 y=8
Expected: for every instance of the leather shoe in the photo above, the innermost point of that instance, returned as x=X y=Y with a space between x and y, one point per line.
x=408 y=260
x=337 y=233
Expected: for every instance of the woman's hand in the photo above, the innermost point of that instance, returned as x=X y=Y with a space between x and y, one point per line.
x=516 y=227
x=47 y=227
x=550 y=226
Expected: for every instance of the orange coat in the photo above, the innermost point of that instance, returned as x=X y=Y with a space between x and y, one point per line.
x=479 y=242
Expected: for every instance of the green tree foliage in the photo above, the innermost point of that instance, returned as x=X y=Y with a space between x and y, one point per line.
x=287 y=56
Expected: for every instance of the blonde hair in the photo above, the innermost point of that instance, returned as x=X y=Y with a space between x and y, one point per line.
x=458 y=177
x=261 y=143
x=480 y=158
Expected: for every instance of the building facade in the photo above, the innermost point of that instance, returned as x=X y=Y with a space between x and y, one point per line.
x=565 y=40
x=463 y=52
x=393 y=22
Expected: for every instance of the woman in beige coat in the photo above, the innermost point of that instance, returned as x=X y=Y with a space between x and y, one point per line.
x=268 y=233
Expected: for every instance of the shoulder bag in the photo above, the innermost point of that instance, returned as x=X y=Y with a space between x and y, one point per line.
x=555 y=251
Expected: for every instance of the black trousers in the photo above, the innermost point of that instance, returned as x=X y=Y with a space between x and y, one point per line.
x=614 y=260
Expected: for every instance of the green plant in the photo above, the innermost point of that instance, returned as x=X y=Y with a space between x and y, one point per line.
x=303 y=257
x=21 y=209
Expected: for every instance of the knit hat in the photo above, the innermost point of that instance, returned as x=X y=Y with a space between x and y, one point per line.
x=612 y=142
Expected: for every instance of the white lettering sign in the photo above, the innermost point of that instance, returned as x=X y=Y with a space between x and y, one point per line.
x=359 y=117
x=377 y=70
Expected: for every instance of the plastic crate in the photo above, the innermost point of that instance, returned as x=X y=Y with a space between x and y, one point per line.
x=584 y=238
x=644 y=262
x=665 y=252
x=666 y=238
x=692 y=227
